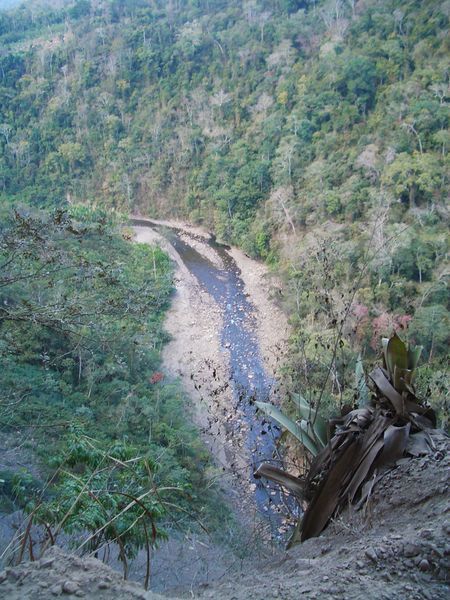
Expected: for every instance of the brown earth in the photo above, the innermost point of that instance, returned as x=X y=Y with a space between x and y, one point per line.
x=396 y=548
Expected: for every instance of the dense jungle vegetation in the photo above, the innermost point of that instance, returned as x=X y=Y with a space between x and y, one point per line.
x=313 y=134
x=83 y=401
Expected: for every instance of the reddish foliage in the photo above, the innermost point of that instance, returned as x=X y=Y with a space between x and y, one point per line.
x=156 y=377
x=385 y=324
x=360 y=311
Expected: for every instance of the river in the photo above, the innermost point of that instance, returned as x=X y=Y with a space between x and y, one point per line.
x=240 y=348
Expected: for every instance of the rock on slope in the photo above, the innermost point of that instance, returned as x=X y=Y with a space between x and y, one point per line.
x=396 y=547
x=61 y=574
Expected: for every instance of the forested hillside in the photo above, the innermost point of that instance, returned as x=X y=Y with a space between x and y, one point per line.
x=314 y=134
x=83 y=402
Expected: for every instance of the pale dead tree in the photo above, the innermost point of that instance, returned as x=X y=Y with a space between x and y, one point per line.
x=245 y=56
x=124 y=117
x=293 y=123
x=410 y=127
x=329 y=12
x=285 y=153
x=111 y=65
x=5 y=131
x=442 y=137
x=184 y=136
x=103 y=104
x=222 y=138
x=220 y=98
x=389 y=155
x=250 y=10
x=368 y=161
x=333 y=17
x=282 y=56
x=64 y=70
x=352 y=4
x=263 y=19
x=21 y=152
x=157 y=126
x=441 y=91
x=105 y=101
x=101 y=34
x=262 y=106
x=188 y=108
x=190 y=34
x=81 y=119
x=279 y=201
x=398 y=18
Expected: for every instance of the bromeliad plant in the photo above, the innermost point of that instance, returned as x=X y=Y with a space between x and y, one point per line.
x=389 y=421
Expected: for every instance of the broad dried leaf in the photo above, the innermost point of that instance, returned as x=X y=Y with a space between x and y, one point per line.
x=294 y=484
x=420 y=444
x=327 y=498
x=370 y=445
x=395 y=442
x=382 y=383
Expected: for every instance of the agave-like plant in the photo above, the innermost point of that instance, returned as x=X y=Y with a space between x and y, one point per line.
x=389 y=421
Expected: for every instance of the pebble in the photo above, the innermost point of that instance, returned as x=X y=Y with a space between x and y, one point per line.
x=13 y=574
x=103 y=585
x=426 y=534
x=424 y=565
x=371 y=554
x=56 y=590
x=46 y=563
x=70 y=587
x=410 y=550
x=3 y=577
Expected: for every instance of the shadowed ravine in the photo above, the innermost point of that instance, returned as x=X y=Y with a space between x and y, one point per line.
x=239 y=343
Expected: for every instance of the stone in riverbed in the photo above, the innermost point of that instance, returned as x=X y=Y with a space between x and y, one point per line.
x=371 y=554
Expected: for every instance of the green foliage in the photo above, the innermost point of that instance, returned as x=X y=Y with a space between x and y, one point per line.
x=110 y=494
x=205 y=111
x=80 y=342
x=362 y=390
x=400 y=362
x=310 y=430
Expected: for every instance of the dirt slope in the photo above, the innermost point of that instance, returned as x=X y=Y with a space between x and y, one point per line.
x=397 y=548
